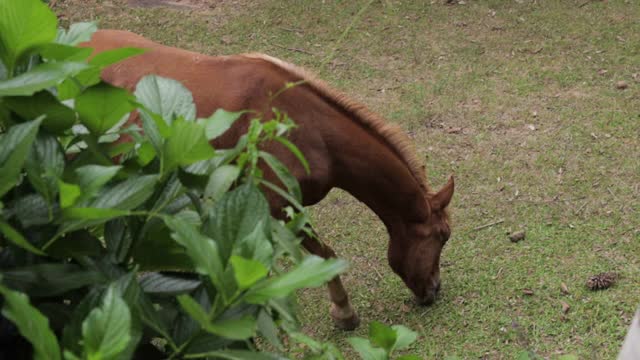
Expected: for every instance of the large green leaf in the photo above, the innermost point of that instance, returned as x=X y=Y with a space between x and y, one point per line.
x=405 y=337
x=14 y=148
x=365 y=350
x=91 y=178
x=50 y=279
x=256 y=246
x=113 y=56
x=60 y=52
x=202 y=250
x=17 y=238
x=220 y=181
x=247 y=272
x=165 y=97
x=283 y=174
x=69 y=194
x=77 y=33
x=311 y=272
x=33 y=209
x=128 y=194
x=382 y=335
x=186 y=145
x=23 y=25
x=91 y=75
x=44 y=165
x=236 y=329
x=31 y=323
x=102 y=106
x=40 y=77
x=58 y=116
x=235 y=216
x=218 y=123
x=107 y=330
x=167 y=284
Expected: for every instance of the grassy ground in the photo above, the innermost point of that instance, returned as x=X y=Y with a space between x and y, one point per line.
x=520 y=100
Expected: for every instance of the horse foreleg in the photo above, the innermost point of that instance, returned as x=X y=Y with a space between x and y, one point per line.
x=343 y=315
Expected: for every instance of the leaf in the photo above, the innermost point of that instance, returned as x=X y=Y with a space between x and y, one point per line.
x=23 y=25
x=31 y=323
x=202 y=250
x=128 y=194
x=220 y=181
x=92 y=178
x=235 y=216
x=409 y=357
x=33 y=210
x=60 y=52
x=50 y=279
x=218 y=123
x=103 y=214
x=118 y=239
x=294 y=149
x=109 y=57
x=382 y=335
x=14 y=148
x=107 y=330
x=77 y=33
x=102 y=106
x=269 y=329
x=40 y=77
x=286 y=239
x=247 y=272
x=365 y=350
x=256 y=246
x=236 y=329
x=165 y=97
x=69 y=193
x=58 y=116
x=405 y=337
x=186 y=145
x=283 y=174
x=44 y=165
x=163 y=284
x=17 y=238
x=313 y=271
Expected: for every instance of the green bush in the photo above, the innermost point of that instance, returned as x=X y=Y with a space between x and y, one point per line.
x=84 y=239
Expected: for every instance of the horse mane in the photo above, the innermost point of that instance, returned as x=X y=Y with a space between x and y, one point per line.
x=392 y=134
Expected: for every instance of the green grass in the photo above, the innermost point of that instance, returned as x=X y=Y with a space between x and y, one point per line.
x=487 y=67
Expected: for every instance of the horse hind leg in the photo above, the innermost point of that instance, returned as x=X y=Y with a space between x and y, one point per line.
x=342 y=313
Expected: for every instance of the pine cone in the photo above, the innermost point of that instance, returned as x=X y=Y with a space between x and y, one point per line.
x=602 y=281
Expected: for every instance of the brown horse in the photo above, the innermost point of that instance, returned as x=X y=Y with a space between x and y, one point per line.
x=346 y=145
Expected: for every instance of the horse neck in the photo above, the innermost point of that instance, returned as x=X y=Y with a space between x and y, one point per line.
x=365 y=166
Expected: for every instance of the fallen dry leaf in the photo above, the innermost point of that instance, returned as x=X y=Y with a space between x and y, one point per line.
x=527 y=292
x=621 y=85
x=517 y=236
x=454 y=130
x=565 y=307
x=564 y=288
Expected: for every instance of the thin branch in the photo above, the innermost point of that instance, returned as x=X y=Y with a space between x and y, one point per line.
x=488 y=225
x=294 y=49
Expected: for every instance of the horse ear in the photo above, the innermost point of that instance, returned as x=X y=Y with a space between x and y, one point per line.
x=442 y=198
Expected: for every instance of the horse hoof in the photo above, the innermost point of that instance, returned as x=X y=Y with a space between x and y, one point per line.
x=344 y=320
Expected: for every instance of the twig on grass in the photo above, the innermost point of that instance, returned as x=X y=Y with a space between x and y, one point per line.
x=294 y=49
x=488 y=225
